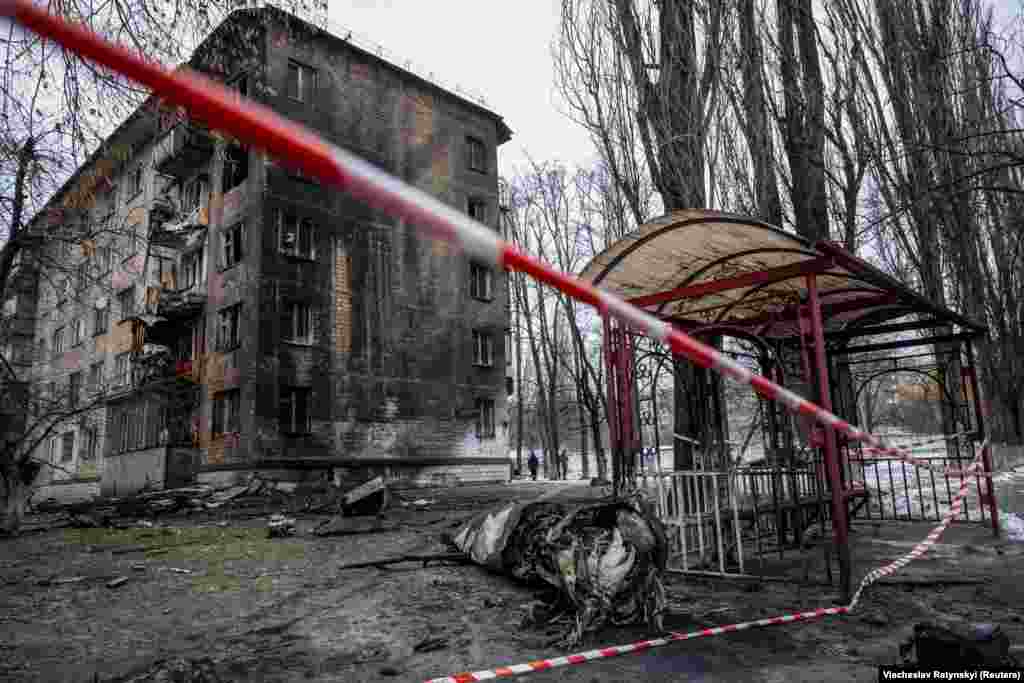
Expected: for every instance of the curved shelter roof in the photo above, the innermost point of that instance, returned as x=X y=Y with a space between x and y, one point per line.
x=697 y=267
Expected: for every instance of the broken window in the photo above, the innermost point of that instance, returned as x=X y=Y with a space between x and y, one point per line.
x=483 y=349
x=101 y=320
x=67 y=447
x=481 y=282
x=192 y=270
x=126 y=300
x=96 y=376
x=135 y=186
x=236 y=167
x=231 y=241
x=294 y=410
x=477 y=210
x=228 y=328
x=240 y=84
x=58 y=340
x=298 y=322
x=77 y=332
x=301 y=82
x=226 y=412
x=74 y=388
x=476 y=154
x=193 y=194
x=296 y=235
x=122 y=369
x=91 y=438
x=484 y=418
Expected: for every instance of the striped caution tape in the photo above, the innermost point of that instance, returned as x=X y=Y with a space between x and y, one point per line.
x=616 y=650
x=304 y=150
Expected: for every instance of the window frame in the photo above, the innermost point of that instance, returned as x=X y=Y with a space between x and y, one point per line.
x=74 y=388
x=124 y=295
x=292 y=428
x=67 y=454
x=485 y=419
x=483 y=349
x=229 y=318
x=232 y=245
x=473 y=144
x=101 y=320
x=480 y=273
x=193 y=260
x=77 y=332
x=477 y=205
x=58 y=341
x=96 y=376
x=305 y=92
x=123 y=375
x=294 y=311
x=303 y=226
x=226 y=412
x=243 y=160
x=137 y=180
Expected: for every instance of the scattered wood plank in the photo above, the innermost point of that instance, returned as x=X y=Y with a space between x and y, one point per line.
x=437 y=557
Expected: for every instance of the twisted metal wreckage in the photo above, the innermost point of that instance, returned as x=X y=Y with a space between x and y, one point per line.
x=606 y=557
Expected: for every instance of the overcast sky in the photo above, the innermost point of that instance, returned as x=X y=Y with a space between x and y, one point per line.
x=497 y=48
x=500 y=49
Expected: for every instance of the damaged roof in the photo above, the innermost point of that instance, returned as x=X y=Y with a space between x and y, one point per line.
x=697 y=268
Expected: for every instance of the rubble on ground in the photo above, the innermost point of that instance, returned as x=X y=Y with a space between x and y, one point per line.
x=958 y=645
x=280 y=526
x=605 y=559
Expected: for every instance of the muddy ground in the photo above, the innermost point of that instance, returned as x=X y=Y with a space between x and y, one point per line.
x=213 y=591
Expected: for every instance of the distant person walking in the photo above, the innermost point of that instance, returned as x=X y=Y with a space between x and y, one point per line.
x=533 y=463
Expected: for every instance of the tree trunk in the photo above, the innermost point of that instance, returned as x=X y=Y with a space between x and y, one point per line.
x=14 y=495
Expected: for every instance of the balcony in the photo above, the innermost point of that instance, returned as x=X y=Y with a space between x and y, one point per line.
x=182 y=149
x=182 y=303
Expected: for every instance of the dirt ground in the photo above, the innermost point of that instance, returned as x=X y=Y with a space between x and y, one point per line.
x=213 y=591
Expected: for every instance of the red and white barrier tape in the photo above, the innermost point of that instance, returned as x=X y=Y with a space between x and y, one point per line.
x=304 y=150
x=616 y=650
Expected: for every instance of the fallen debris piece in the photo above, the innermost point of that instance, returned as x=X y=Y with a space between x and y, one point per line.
x=437 y=557
x=421 y=502
x=179 y=570
x=605 y=559
x=70 y=579
x=345 y=526
x=369 y=498
x=952 y=646
x=280 y=526
x=119 y=581
x=429 y=644
x=138 y=567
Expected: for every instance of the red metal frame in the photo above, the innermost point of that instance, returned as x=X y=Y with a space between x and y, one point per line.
x=814 y=265
x=792 y=313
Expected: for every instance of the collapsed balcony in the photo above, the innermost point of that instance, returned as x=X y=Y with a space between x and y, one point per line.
x=183 y=148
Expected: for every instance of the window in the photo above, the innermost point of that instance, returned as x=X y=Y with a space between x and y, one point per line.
x=63 y=286
x=298 y=322
x=483 y=349
x=77 y=332
x=122 y=369
x=58 y=340
x=74 y=388
x=477 y=210
x=101 y=319
x=192 y=195
x=91 y=437
x=82 y=275
x=225 y=412
x=236 y=167
x=296 y=236
x=301 y=82
x=96 y=377
x=167 y=272
x=126 y=300
x=104 y=260
x=135 y=182
x=476 y=154
x=509 y=348
x=67 y=447
x=294 y=413
x=481 y=282
x=240 y=84
x=231 y=243
x=192 y=270
x=227 y=328
x=484 y=418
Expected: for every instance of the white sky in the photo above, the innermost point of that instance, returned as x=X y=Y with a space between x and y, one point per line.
x=499 y=49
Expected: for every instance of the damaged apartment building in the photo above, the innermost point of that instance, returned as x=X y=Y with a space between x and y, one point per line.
x=225 y=315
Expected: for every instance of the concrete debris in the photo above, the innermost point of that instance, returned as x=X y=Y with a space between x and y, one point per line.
x=430 y=644
x=118 y=582
x=956 y=646
x=280 y=526
x=179 y=671
x=368 y=498
x=606 y=559
x=346 y=526
x=420 y=502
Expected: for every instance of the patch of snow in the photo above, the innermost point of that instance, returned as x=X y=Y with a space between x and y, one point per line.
x=1013 y=525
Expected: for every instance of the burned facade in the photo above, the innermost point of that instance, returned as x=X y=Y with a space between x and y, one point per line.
x=249 y=318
